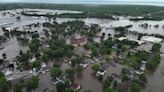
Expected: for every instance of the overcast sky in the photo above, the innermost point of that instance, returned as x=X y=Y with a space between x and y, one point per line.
x=82 y=1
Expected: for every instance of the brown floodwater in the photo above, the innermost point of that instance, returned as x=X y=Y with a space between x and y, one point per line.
x=88 y=81
x=12 y=48
x=156 y=79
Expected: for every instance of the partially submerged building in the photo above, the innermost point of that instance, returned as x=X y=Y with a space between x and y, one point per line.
x=151 y=39
x=77 y=40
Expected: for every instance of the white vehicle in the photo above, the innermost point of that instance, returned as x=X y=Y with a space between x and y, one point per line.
x=84 y=65
x=139 y=72
x=92 y=61
x=70 y=63
x=55 y=82
x=101 y=73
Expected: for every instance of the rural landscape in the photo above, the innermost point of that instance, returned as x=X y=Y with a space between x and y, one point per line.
x=81 y=48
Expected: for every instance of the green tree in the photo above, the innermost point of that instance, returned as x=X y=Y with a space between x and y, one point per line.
x=95 y=67
x=32 y=83
x=36 y=64
x=60 y=87
x=55 y=72
x=125 y=78
x=135 y=87
x=17 y=87
x=143 y=78
x=75 y=60
x=151 y=65
x=156 y=47
x=109 y=90
x=4 y=84
x=107 y=82
x=70 y=71
x=94 y=52
x=69 y=90
x=115 y=84
x=87 y=46
x=34 y=45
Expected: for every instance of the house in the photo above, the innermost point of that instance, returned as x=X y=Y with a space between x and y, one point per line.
x=151 y=39
x=8 y=74
x=77 y=39
x=9 y=29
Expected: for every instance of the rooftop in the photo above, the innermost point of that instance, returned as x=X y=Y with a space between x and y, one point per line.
x=151 y=39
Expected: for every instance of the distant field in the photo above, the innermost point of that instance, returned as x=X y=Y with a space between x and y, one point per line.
x=134 y=10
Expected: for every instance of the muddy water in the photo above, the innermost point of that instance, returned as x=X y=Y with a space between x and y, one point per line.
x=45 y=84
x=156 y=79
x=12 y=48
x=88 y=81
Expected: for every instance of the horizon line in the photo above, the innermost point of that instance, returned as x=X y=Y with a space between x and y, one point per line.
x=91 y=3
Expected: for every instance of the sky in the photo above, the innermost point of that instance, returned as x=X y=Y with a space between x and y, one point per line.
x=84 y=1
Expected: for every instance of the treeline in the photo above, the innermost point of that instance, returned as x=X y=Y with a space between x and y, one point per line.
x=74 y=15
x=132 y=10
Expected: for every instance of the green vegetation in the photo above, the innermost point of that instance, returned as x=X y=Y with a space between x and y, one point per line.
x=17 y=87
x=135 y=87
x=71 y=71
x=109 y=90
x=156 y=47
x=152 y=64
x=96 y=67
x=71 y=15
x=34 y=45
x=55 y=72
x=4 y=84
x=115 y=9
x=32 y=83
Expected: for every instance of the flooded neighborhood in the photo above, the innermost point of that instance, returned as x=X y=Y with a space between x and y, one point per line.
x=46 y=50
